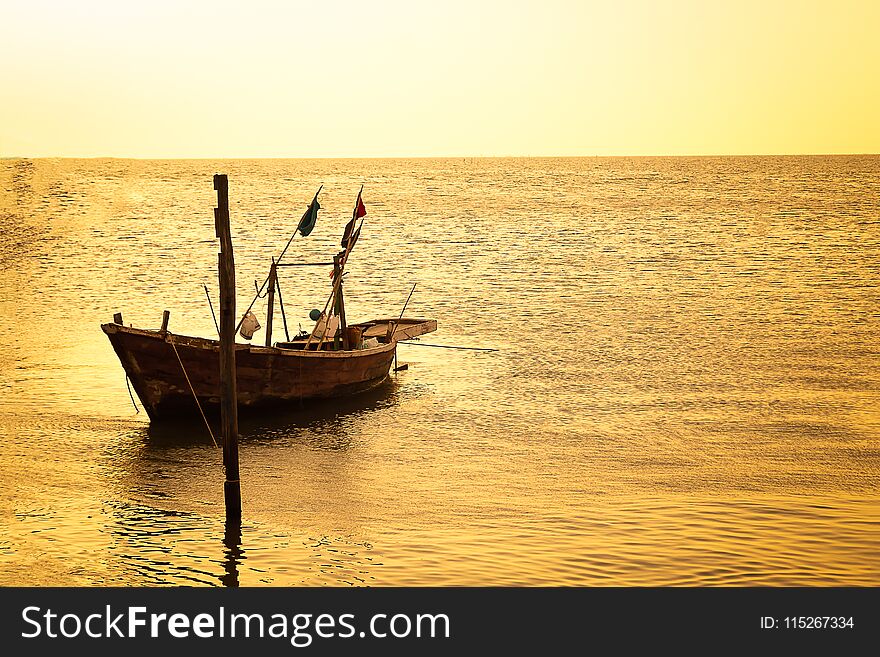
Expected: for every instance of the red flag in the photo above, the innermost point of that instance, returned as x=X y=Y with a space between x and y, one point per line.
x=360 y=210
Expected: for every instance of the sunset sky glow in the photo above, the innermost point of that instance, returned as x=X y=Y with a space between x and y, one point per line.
x=384 y=79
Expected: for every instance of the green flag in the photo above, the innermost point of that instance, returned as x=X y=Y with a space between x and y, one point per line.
x=307 y=223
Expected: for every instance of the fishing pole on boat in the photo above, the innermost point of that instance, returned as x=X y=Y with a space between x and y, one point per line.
x=392 y=327
x=405 y=303
x=305 y=226
x=211 y=306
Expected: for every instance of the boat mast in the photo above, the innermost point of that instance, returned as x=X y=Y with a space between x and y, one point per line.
x=339 y=307
x=273 y=277
x=339 y=266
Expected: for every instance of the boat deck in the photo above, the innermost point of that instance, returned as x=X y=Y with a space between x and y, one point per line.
x=381 y=329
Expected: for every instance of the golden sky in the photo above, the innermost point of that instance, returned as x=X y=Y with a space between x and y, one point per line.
x=379 y=78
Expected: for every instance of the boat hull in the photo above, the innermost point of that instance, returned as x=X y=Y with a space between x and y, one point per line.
x=165 y=369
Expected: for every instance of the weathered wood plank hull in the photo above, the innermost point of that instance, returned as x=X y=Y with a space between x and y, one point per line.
x=266 y=376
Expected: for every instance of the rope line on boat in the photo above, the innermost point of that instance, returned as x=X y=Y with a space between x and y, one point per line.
x=283 y=251
x=281 y=303
x=211 y=306
x=186 y=376
x=128 y=385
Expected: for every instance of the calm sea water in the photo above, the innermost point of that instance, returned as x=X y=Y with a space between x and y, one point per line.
x=686 y=390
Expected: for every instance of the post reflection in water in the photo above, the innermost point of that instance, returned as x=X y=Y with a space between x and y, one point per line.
x=234 y=554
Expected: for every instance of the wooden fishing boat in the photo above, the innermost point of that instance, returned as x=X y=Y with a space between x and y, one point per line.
x=167 y=369
x=177 y=375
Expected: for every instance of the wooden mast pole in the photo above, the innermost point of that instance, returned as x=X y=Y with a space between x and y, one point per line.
x=339 y=306
x=338 y=265
x=273 y=275
x=228 y=384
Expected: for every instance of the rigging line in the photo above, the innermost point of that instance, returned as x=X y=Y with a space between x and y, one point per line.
x=283 y=251
x=442 y=346
x=211 y=306
x=281 y=303
x=128 y=385
x=186 y=376
x=238 y=326
x=392 y=327
x=258 y=289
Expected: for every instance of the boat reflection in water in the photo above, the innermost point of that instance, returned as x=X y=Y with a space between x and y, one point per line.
x=319 y=423
x=295 y=470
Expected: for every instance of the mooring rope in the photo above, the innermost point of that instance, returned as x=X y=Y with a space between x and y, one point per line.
x=128 y=385
x=186 y=376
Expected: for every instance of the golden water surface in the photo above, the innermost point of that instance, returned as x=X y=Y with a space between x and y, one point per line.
x=685 y=393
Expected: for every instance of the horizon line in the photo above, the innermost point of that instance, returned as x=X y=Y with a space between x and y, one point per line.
x=424 y=157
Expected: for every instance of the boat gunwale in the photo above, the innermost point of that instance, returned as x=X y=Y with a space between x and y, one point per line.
x=207 y=344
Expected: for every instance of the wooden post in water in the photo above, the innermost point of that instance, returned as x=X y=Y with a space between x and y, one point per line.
x=273 y=274
x=165 y=316
x=228 y=386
